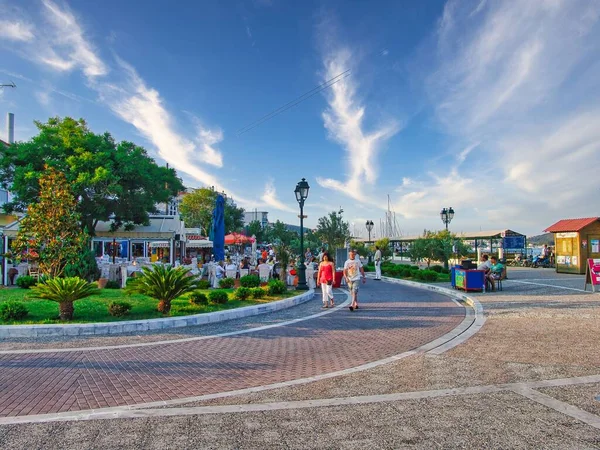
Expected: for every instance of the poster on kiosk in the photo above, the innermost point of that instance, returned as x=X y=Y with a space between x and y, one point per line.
x=592 y=273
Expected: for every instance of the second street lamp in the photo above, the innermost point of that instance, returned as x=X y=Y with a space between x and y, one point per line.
x=447 y=214
x=301 y=192
x=369 y=226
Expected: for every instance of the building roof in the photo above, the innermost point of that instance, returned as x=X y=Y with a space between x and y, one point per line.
x=571 y=224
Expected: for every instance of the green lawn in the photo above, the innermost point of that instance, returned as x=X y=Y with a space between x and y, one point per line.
x=95 y=308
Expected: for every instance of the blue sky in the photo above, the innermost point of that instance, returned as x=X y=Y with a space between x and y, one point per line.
x=491 y=107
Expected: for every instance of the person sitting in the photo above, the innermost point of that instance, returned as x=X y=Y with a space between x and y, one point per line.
x=230 y=265
x=496 y=272
x=485 y=264
x=245 y=264
x=263 y=269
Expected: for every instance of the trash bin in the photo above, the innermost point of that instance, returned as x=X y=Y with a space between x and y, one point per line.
x=337 y=280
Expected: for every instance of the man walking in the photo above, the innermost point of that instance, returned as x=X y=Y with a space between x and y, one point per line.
x=353 y=272
x=377 y=263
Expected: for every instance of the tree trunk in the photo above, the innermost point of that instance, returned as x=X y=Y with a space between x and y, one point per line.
x=164 y=306
x=66 y=310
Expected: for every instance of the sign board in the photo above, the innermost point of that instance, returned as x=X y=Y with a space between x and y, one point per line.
x=595 y=245
x=460 y=279
x=592 y=273
x=513 y=242
x=570 y=234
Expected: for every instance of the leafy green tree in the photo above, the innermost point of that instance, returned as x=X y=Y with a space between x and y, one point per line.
x=163 y=283
x=51 y=229
x=111 y=181
x=384 y=246
x=282 y=238
x=255 y=228
x=361 y=248
x=197 y=207
x=333 y=231
x=437 y=247
x=64 y=291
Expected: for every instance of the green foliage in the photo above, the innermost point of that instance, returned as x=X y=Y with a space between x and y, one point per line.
x=25 y=282
x=282 y=238
x=203 y=284
x=276 y=287
x=384 y=246
x=64 y=291
x=111 y=180
x=255 y=228
x=333 y=231
x=119 y=308
x=110 y=284
x=436 y=247
x=361 y=248
x=257 y=293
x=164 y=283
x=85 y=266
x=426 y=275
x=242 y=293
x=198 y=298
x=226 y=283
x=218 y=296
x=250 y=281
x=437 y=268
x=197 y=207
x=51 y=229
x=13 y=310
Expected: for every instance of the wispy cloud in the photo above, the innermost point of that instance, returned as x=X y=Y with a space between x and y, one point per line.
x=344 y=121
x=206 y=140
x=16 y=31
x=516 y=86
x=43 y=97
x=270 y=199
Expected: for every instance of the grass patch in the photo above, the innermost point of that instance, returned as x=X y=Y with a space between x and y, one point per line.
x=95 y=308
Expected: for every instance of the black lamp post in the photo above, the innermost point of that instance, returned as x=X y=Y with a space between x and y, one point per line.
x=369 y=226
x=446 y=215
x=301 y=192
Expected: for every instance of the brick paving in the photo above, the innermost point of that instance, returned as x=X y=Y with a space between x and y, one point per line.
x=392 y=319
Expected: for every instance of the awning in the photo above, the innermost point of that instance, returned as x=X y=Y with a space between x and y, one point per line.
x=160 y=244
x=205 y=243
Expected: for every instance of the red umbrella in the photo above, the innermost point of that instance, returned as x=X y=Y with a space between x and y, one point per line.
x=237 y=239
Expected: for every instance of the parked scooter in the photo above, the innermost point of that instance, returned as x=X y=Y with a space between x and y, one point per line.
x=538 y=261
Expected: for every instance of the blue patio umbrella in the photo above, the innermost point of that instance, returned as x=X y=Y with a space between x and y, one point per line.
x=218 y=229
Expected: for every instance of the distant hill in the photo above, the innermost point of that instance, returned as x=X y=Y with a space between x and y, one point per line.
x=541 y=239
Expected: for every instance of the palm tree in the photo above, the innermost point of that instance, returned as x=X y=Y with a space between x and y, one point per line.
x=164 y=283
x=64 y=291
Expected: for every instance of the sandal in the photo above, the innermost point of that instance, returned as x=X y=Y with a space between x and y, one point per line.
x=324 y=306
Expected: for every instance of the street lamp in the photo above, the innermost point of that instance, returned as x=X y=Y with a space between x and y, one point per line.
x=301 y=192
x=369 y=226
x=446 y=215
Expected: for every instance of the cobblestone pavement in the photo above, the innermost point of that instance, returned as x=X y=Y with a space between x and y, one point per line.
x=392 y=319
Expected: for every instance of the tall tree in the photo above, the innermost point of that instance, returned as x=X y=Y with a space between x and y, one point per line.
x=51 y=229
x=197 y=208
x=255 y=228
x=333 y=231
x=282 y=238
x=111 y=181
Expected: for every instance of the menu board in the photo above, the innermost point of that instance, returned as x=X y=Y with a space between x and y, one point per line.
x=592 y=273
x=595 y=245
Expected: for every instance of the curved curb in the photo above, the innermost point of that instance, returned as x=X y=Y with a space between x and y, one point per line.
x=134 y=326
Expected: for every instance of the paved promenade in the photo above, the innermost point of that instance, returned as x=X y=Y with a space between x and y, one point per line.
x=529 y=378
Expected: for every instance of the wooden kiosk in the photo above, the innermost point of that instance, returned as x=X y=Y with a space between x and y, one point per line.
x=575 y=240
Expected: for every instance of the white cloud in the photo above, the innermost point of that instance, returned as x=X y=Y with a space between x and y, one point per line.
x=516 y=86
x=344 y=121
x=269 y=197
x=43 y=97
x=206 y=140
x=16 y=31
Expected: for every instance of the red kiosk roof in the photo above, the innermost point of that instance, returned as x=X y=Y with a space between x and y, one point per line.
x=571 y=224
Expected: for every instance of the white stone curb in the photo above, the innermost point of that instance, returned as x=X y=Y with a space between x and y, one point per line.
x=134 y=326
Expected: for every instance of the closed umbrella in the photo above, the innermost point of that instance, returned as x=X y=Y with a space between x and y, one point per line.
x=218 y=229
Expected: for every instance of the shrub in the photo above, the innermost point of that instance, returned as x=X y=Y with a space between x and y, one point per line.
x=84 y=267
x=64 y=291
x=13 y=310
x=110 y=284
x=119 y=308
x=276 y=287
x=25 y=282
x=250 y=281
x=427 y=275
x=226 y=283
x=242 y=293
x=198 y=298
x=163 y=283
x=203 y=284
x=218 y=296
x=437 y=268
x=257 y=292
x=406 y=273
x=445 y=271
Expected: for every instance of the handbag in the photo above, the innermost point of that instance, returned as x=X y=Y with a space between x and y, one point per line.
x=329 y=282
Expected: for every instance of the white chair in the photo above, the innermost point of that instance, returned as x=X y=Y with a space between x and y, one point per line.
x=290 y=278
x=232 y=273
x=310 y=278
x=244 y=272
x=264 y=273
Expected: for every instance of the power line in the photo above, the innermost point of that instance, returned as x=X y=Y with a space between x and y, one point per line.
x=296 y=101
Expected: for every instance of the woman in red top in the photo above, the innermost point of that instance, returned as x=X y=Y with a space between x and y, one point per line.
x=325 y=279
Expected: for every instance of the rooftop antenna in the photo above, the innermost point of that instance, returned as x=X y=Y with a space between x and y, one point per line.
x=11 y=84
